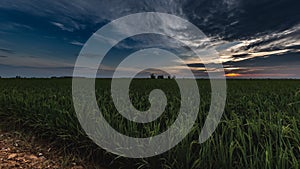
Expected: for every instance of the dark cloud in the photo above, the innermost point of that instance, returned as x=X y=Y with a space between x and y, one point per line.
x=39 y=68
x=272 y=60
x=273 y=66
x=201 y=65
x=293 y=47
x=236 y=19
x=9 y=51
x=240 y=55
x=196 y=65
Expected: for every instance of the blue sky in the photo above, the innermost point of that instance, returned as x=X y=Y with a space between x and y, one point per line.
x=42 y=38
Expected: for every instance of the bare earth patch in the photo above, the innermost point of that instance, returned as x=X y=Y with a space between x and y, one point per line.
x=18 y=152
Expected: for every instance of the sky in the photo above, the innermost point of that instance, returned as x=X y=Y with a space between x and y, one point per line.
x=254 y=39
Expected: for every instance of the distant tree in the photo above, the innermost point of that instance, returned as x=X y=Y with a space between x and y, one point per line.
x=152 y=76
x=66 y=77
x=18 y=77
x=174 y=77
x=160 y=77
x=0 y=77
x=169 y=77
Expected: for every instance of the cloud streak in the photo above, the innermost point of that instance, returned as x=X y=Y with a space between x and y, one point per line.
x=8 y=51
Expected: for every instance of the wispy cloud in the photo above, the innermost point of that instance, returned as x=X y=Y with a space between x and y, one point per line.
x=13 y=26
x=77 y=43
x=62 y=27
x=260 y=45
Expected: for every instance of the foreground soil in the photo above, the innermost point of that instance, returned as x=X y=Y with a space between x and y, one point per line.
x=17 y=151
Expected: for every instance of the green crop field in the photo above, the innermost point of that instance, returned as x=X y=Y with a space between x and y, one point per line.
x=260 y=127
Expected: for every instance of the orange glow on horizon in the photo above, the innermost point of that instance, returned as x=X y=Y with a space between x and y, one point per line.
x=232 y=75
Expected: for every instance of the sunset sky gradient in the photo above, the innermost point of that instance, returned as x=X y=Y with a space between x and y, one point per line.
x=254 y=39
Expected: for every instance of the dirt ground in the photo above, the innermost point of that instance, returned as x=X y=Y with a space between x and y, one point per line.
x=17 y=151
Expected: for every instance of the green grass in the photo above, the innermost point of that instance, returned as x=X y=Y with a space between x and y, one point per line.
x=260 y=127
